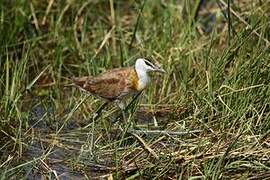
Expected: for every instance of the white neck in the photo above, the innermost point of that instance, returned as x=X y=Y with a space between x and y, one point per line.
x=143 y=78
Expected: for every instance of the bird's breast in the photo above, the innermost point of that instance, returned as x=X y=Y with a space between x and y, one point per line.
x=143 y=82
x=139 y=81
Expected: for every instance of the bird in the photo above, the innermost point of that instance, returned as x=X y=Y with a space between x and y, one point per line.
x=116 y=85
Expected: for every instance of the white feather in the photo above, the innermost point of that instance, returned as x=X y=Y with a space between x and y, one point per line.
x=142 y=70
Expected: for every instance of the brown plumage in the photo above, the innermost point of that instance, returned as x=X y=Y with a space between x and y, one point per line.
x=115 y=84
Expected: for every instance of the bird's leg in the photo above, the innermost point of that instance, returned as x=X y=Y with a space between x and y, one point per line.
x=131 y=103
x=97 y=113
x=121 y=106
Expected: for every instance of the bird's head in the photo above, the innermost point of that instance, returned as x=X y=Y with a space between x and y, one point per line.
x=146 y=66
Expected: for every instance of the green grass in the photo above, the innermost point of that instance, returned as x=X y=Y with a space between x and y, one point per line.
x=217 y=82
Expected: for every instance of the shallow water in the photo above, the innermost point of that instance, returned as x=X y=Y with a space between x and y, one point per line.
x=68 y=154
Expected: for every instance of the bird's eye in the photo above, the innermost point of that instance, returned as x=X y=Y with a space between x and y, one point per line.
x=148 y=63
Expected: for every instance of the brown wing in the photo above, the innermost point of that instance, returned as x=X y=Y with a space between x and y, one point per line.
x=111 y=85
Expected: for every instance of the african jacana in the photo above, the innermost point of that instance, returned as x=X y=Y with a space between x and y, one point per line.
x=116 y=84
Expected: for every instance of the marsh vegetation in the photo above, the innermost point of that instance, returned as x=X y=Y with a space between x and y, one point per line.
x=208 y=117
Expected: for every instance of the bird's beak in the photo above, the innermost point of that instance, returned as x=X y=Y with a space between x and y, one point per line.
x=158 y=69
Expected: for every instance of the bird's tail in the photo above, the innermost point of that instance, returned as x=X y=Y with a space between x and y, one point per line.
x=80 y=81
